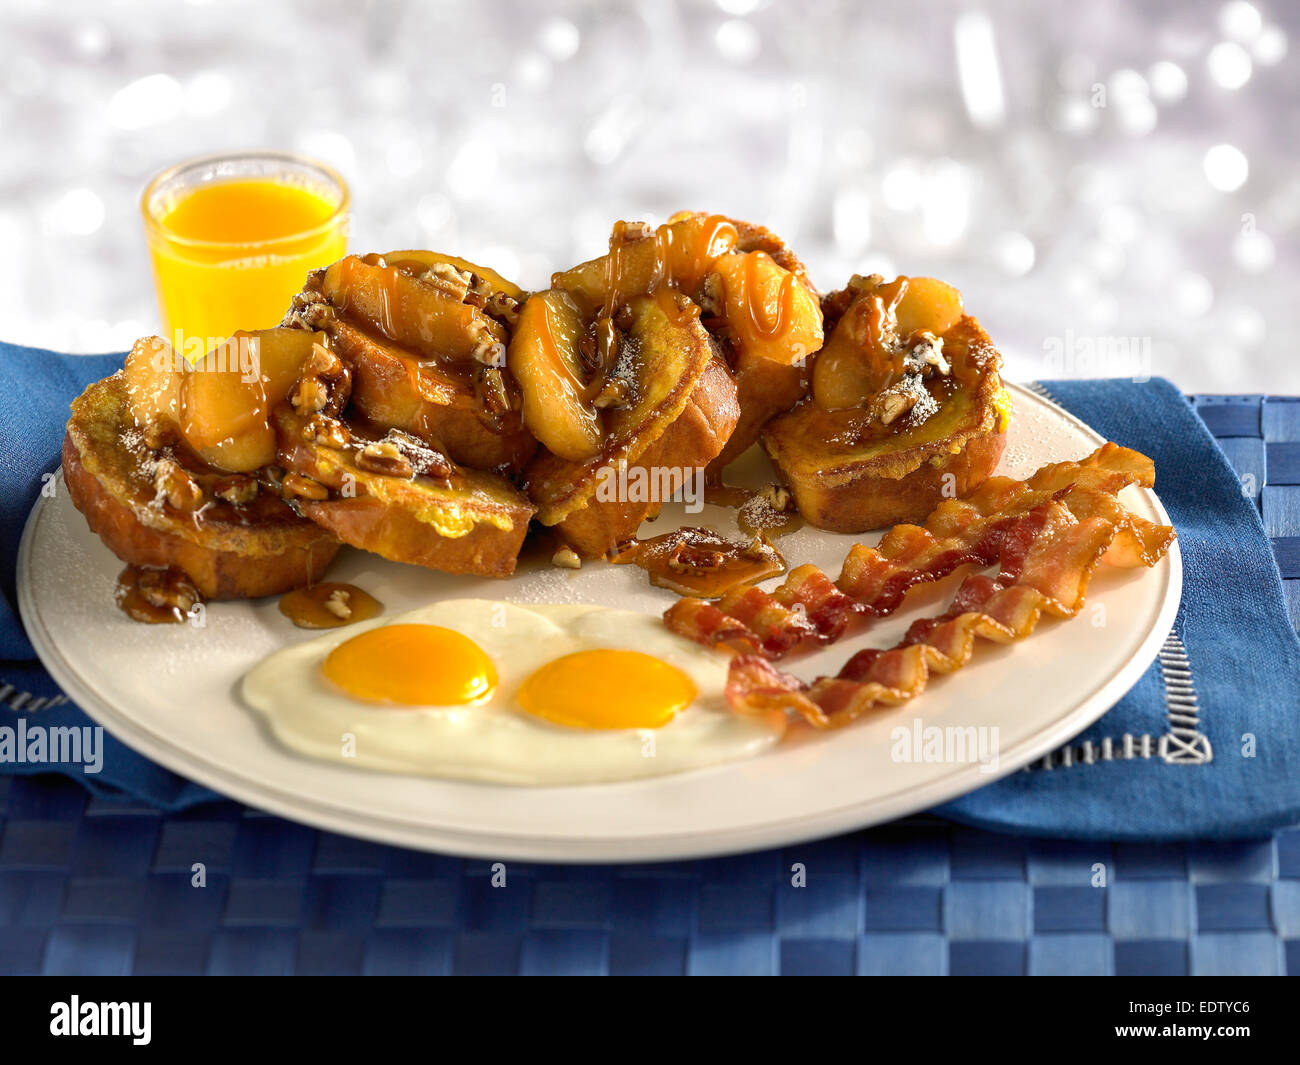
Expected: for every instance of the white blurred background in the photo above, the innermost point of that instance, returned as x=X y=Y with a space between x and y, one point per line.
x=1113 y=185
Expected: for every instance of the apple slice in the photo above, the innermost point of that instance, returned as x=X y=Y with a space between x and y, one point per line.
x=544 y=360
x=154 y=374
x=928 y=304
x=769 y=311
x=412 y=313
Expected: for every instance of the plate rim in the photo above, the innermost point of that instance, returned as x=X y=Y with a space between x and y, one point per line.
x=565 y=849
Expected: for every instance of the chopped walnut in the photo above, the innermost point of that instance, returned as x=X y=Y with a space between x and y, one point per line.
x=777 y=496
x=926 y=352
x=310 y=311
x=503 y=308
x=159 y=434
x=167 y=589
x=324 y=383
x=690 y=558
x=449 y=273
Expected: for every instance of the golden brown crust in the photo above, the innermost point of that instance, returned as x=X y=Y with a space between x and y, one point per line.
x=678 y=370
x=469 y=522
x=396 y=533
x=848 y=480
x=698 y=433
x=229 y=553
x=764 y=389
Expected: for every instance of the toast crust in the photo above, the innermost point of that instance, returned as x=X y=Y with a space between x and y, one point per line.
x=228 y=552
x=699 y=430
x=848 y=476
x=436 y=515
x=677 y=370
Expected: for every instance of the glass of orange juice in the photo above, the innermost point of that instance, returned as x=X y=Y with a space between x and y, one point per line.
x=233 y=238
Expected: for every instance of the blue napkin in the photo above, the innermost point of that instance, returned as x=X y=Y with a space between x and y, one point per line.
x=35 y=389
x=1244 y=657
x=1232 y=768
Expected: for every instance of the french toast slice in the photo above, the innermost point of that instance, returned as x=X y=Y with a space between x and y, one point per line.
x=678 y=409
x=425 y=336
x=161 y=507
x=756 y=299
x=878 y=441
x=392 y=494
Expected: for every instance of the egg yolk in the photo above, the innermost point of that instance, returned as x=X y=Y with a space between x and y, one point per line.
x=416 y=665
x=607 y=689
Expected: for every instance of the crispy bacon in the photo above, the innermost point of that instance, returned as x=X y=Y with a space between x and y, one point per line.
x=1048 y=555
x=810 y=608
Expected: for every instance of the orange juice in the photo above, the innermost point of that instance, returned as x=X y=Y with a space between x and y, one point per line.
x=233 y=240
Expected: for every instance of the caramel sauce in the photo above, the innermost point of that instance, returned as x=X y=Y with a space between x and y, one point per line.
x=878 y=318
x=762 y=325
x=700 y=562
x=156 y=596
x=726 y=495
x=757 y=517
x=552 y=350
x=388 y=294
x=688 y=265
x=676 y=262
x=329 y=605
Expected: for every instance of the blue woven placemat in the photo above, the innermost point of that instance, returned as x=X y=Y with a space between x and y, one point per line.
x=106 y=888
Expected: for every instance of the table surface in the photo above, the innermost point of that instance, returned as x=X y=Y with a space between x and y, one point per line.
x=95 y=886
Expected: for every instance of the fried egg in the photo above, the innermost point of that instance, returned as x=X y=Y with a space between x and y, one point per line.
x=543 y=694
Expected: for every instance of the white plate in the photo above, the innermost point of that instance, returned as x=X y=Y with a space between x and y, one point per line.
x=170 y=693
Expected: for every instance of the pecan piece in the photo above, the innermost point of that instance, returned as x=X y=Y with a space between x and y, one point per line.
x=385 y=457
x=490 y=386
x=329 y=432
x=236 y=490
x=324 y=383
x=177 y=487
x=295 y=485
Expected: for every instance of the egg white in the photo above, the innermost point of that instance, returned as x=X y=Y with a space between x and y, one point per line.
x=495 y=740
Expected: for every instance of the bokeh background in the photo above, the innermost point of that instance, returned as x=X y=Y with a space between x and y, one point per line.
x=1112 y=184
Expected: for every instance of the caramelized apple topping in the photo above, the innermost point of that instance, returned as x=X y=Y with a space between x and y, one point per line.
x=754 y=304
x=574 y=350
x=219 y=407
x=886 y=344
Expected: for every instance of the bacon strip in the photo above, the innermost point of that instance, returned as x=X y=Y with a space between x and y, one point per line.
x=810 y=608
x=1048 y=557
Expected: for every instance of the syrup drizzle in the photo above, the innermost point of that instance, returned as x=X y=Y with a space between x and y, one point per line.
x=329 y=605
